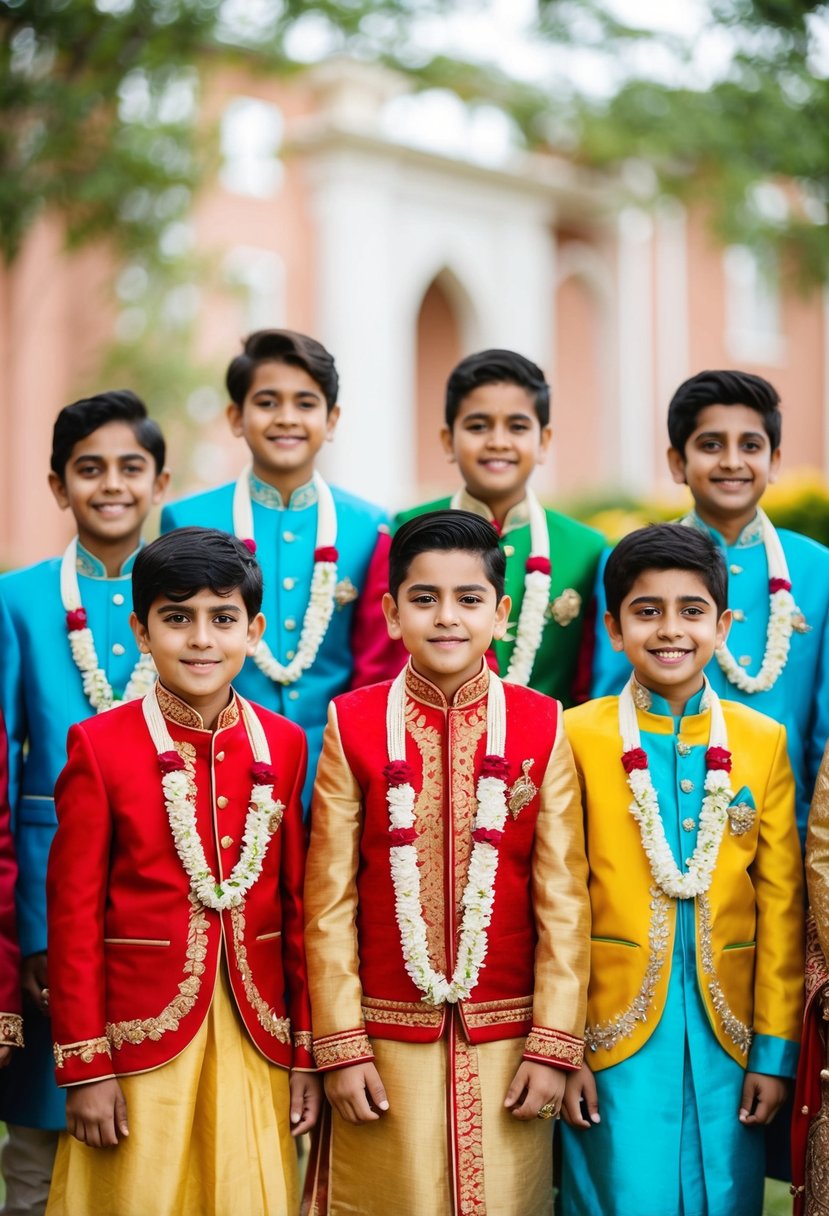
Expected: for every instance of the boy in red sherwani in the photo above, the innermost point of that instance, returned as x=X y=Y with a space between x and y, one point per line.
x=177 y=970
x=11 y=1022
x=447 y=913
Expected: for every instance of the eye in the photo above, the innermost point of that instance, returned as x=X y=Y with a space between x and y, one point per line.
x=133 y=470
x=422 y=599
x=223 y=618
x=648 y=611
x=175 y=618
x=519 y=426
x=710 y=445
x=469 y=600
x=475 y=427
x=88 y=470
x=692 y=610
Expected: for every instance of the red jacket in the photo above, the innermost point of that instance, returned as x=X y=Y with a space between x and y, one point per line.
x=11 y=1023
x=133 y=956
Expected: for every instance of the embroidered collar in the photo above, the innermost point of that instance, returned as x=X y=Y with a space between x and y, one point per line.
x=268 y=496
x=179 y=712
x=517 y=516
x=92 y=567
x=423 y=690
x=751 y=535
x=653 y=703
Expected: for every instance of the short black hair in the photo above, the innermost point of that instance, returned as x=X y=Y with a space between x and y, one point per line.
x=81 y=418
x=282 y=346
x=496 y=367
x=722 y=388
x=447 y=531
x=665 y=547
x=189 y=560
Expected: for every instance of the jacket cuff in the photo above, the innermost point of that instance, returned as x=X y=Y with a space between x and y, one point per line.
x=11 y=1030
x=303 y=1057
x=555 y=1048
x=86 y=1060
x=342 y=1050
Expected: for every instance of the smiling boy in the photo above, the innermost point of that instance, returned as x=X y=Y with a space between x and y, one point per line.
x=68 y=652
x=446 y=908
x=177 y=966
x=323 y=551
x=725 y=429
x=497 y=430
x=695 y=990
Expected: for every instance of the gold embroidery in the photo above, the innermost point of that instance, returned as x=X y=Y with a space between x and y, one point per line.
x=565 y=607
x=608 y=1034
x=139 y=1029
x=268 y=1018
x=555 y=1046
x=466 y=729
x=87 y=1049
x=469 y=1136
x=178 y=711
x=345 y=592
x=304 y=1040
x=11 y=1029
x=401 y=1013
x=817 y=1156
x=429 y=821
x=740 y=1034
x=498 y=1013
x=523 y=790
x=426 y=692
x=342 y=1049
x=741 y=817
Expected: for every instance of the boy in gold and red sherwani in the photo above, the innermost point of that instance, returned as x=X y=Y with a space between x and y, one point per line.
x=447 y=926
x=178 y=989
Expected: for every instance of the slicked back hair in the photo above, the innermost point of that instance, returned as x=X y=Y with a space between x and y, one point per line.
x=722 y=388
x=496 y=367
x=79 y=419
x=282 y=346
x=665 y=547
x=447 y=532
x=186 y=561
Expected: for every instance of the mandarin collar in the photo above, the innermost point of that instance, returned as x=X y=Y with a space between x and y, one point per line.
x=751 y=535
x=423 y=690
x=90 y=566
x=517 y=516
x=655 y=716
x=268 y=496
x=181 y=714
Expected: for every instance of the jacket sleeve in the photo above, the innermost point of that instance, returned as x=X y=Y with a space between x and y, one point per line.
x=817 y=855
x=562 y=913
x=11 y=1023
x=376 y=656
x=76 y=885
x=331 y=909
x=293 y=946
x=13 y=705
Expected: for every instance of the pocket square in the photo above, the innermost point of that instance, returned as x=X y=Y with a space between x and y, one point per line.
x=742 y=812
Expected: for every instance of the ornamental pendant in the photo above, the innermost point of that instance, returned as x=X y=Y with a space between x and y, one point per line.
x=523 y=790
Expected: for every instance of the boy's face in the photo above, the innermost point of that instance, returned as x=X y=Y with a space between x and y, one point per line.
x=109 y=484
x=284 y=421
x=669 y=628
x=727 y=463
x=497 y=441
x=199 y=646
x=446 y=615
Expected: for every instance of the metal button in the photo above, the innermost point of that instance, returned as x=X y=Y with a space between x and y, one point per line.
x=735 y=569
x=118 y=649
x=744 y=660
x=221 y=802
x=293 y=695
x=288 y=537
x=289 y=583
x=220 y=756
x=688 y=825
x=739 y=615
x=684 y=749
x=227 y=841
x=290 y=623
x=289 y=654
x=118 y=598
x=509 y=550
x=686 y=785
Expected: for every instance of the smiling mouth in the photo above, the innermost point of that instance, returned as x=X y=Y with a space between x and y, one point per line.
x=446 y=641
x=199 y=664
x=669 y=656
x=498 y=462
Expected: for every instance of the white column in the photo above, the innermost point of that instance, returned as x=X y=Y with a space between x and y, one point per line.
x=671 y=319
x=635 y=334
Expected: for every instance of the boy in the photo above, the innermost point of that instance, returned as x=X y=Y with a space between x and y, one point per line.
x=11 y=1022
x=446 y=908
x=498 y=430
x=323 y=552
x=724 y=428
x=179 y=996
x=696 y=893
x=68 y=652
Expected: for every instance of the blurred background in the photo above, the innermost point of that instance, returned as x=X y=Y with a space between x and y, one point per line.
x=627 y=191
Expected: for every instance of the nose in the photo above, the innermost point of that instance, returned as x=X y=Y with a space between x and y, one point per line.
x=113 y=479
x=446 y=613
x=671 y=627
x=731 y=456
x=498 y=437
x=199 y=634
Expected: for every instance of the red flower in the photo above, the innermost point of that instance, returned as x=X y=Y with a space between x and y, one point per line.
x=326 y=553
x=400 y=836
x=718 y=757
x=779 y=584
x=495 y=766
x=170 y=762
x=249 y=543
x=635 y=758
x=76 y=619
x=398 y=773
x=487 y=836
x=262 y=773
x=540 y=564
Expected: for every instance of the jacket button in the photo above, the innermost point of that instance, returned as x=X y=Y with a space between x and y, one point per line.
x=220 y=756
x=227 y=841
x=221 y=802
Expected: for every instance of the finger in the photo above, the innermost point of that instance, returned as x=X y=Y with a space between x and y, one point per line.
x=377 y=1092
x=749 y=1095
x=571 y=1109
x=590 y=1098
x=121 y=1123
x=517 y=1087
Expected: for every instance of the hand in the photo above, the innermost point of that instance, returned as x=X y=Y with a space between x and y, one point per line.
x=356 y=1093
x=306 y=1100
x=581 y=1084
x=533 y=1086
x=5 y=1054
x=762 y=1098
x=34 y=981
x=96 y=1113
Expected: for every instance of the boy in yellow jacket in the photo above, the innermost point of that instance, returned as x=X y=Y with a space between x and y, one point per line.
x=696 y=894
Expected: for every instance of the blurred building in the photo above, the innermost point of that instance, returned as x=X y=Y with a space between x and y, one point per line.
x=405 y=231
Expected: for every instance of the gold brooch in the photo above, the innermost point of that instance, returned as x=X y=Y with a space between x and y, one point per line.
x=345 y=592
x=800 y=624
x=275 y=817
x=523 y=790
x=565 y=607
x=741 y=817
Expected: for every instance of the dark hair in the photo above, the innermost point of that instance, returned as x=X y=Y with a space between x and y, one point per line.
x=81 y=418
x=447 y=531
x=496 y=367
x=188 y=560
x=282 y=346
x=664 y=547
x=722 y=388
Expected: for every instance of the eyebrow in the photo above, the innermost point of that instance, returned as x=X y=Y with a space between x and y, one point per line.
x=659 y=599
x=183 y=606
x=278 y=392
x=100 y=456
x=722 y=435
x=483 y=416
x=465 y=587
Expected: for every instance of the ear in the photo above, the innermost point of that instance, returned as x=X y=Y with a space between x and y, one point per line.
x=448 y=445
x=160 y=485
x=676 y=466
x=331 y=422
x=501 y=618
x=614 y=632
x=723 y=626
x=256 y=627
x=774 y=465
x=392 y=615
x=140 y=633
x=233 y=413
x=544 y=444
x=59 y=491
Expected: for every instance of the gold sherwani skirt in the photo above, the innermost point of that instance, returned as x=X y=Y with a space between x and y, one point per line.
x=209 y=1136
x=447 y=1146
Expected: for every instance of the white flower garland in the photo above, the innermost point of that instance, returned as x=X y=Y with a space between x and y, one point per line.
x=97 y=688
x=263 y=818
x=783 y=612
x=532 y=616
x=479 y=892
x=645 y=805
x=320 y=607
